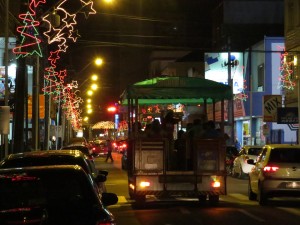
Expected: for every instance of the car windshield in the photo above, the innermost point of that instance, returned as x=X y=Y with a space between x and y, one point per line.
x=286 y=155
x=254 y=151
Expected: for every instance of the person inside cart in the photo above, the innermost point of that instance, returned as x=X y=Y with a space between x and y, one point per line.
x=180 y=146
x=210 y=130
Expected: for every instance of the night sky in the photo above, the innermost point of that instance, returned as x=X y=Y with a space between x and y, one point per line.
x=126 y=33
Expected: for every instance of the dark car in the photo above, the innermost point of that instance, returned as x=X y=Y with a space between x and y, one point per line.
x=85 y=149
x=56 y=157
x=231 y=153
x=124 y=160
x=52 y=195
x=99 y=148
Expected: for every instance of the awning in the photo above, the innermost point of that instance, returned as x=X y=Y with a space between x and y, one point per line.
x=185 y=90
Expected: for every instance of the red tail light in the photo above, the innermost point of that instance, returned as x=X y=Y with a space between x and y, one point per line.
x=271 y=168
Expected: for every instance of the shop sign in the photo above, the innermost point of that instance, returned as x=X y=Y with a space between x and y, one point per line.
x=270 y=105
x=287 y=115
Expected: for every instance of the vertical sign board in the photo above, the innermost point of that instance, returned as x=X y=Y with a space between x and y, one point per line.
x=4 y=119
x=271 y=104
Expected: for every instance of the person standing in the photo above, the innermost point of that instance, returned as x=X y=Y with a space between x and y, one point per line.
x=109 y=151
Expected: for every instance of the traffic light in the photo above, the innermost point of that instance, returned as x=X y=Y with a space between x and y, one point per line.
x=112 y=109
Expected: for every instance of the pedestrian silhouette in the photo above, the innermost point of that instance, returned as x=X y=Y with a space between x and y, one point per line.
x=109 y=151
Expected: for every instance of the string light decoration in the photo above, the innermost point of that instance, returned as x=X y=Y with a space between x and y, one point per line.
x=286 y=73
x=57 y=37
x=87 y=8
x=65 y=94
x=30 y=43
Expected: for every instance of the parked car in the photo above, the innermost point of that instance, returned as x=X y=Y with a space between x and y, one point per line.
x=276 y=173
x=56 y=157
x=240 y=166
x=53 y=195
x=231 y=154
x=85 y=149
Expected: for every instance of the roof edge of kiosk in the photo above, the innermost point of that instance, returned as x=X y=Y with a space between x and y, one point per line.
x=184 y=90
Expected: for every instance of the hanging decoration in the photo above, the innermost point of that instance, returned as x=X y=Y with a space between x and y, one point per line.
x=30 y=42
x=286 y=73
x=58 y=38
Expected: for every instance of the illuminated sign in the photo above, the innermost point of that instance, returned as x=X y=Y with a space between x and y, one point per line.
x=216 y=69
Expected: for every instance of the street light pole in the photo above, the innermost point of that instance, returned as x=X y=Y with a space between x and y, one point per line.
x=6 y=95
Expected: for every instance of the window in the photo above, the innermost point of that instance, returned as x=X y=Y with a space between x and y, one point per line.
x=260 y=77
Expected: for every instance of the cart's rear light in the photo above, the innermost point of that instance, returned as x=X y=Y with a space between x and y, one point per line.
x=271 y=168
x=144 y=184
x=131 y=186
x=216 y=184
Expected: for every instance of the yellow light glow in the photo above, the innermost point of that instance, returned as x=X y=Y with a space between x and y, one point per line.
x=90 y=92
x=89 y=111
x=109 y=1
x=94 y=77
x=94 y=87
x=86 y=119
x=89 y=100
x=295 y=60
x=89 y=106
x=99 y=61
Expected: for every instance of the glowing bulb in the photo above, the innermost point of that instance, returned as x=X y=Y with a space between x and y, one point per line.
x=99 y=61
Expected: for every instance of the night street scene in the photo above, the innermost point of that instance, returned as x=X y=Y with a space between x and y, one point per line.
x=149 y=112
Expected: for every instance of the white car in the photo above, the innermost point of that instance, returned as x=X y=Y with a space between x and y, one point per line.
x=240 y=167
x=276 y=173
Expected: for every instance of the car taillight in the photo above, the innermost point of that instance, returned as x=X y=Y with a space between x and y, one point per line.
x=106 y=223
x=271 y=168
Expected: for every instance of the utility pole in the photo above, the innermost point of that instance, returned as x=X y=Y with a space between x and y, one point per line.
x=230 y=111
x=20 y=95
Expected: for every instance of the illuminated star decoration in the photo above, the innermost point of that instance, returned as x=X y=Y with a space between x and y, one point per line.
x=87 y=8
x=30 y=43
x=64 y=94
x=285 y=77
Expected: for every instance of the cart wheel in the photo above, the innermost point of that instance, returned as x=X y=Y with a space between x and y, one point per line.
x=214 y=199
x=202 y=198
x=140 y=201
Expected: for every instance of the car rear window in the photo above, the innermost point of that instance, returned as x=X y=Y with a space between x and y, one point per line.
x=285 y=155
x=21 y=190
x=44 y=161
x=254 y=151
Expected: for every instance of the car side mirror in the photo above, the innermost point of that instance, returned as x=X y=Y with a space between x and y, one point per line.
x=103 y=172
x=251 y=161
x=109 y=198
x=100 y=178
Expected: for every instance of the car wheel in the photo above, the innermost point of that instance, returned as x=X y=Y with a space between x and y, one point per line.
x=213 y=199
x=233 y=172
x=261 y=196
x=251 y=195
x=202 y=198
x=228 y=170
x=241 y=174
